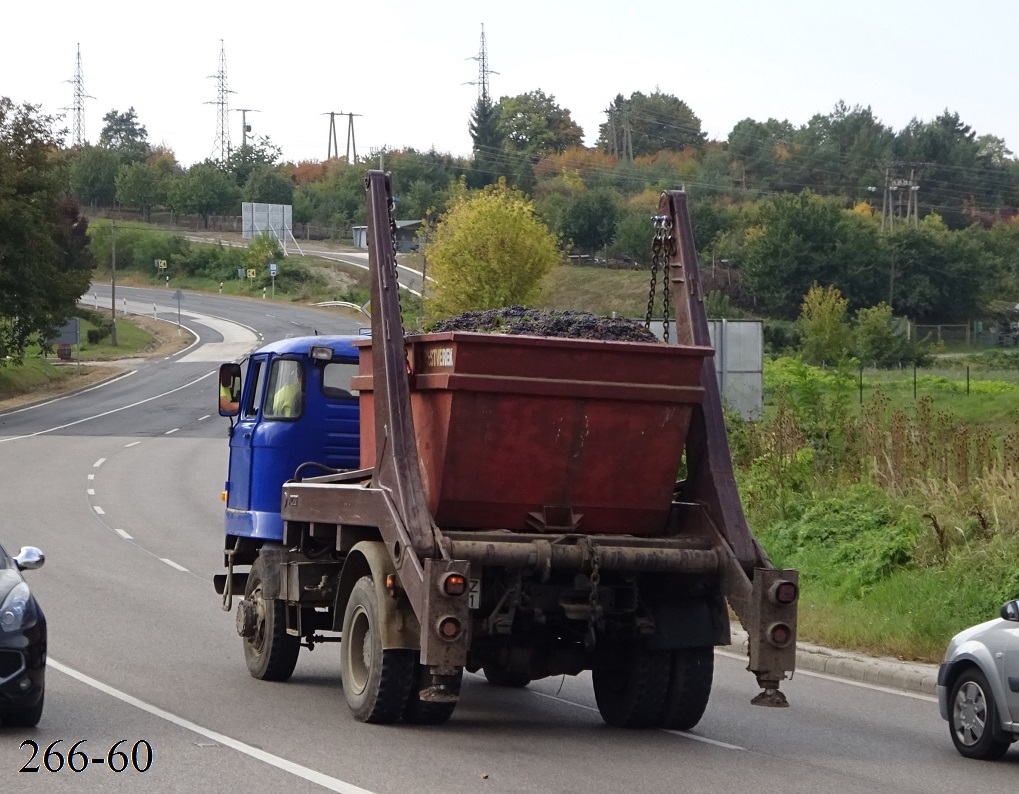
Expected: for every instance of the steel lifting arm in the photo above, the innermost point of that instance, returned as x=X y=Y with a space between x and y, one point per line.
x=747 y=574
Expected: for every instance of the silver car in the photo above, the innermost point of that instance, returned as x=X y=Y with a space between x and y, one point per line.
x=978 y=686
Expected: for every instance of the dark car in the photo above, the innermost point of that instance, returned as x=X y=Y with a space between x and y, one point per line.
x=978 y=686
x=22 y=642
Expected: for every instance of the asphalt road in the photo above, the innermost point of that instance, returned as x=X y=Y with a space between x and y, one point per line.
x=120 y=487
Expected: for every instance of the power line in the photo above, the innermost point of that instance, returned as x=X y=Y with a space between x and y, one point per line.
x=78 y=128
x=221 y=148
x=483 y=70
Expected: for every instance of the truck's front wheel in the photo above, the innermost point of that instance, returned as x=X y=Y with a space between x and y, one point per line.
x=376 y=682
x=270 y=653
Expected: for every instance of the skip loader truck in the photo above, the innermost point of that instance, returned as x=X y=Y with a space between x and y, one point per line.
x=457 y=500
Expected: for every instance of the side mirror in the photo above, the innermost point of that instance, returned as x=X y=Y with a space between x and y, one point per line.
x=1010 y=611
x=29 y=558
x=229 y=389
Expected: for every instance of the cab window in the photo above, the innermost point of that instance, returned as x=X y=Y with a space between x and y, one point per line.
x=284 y=392
x=254 y=397
x=336 y=380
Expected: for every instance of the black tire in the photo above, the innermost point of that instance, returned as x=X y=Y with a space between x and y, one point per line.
x=22 y=718
x=690 y=677
x=271 y=654
x=630 y=685
x=973 y=717
x=424 y=712
x=499 y=676
x=376 y=682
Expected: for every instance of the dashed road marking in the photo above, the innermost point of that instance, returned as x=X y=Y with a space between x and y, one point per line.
x=123 y=534
x=99 y=510
x=172 y=564
x=168 y=432
x=98 y=463
x=132 y=444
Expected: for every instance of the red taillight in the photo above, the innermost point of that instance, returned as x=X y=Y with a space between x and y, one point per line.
x=449 y=628
x=780 y=635
x=785 y=592
x=454 y=585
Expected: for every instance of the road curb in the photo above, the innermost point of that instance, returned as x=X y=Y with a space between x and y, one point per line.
x=881 y=671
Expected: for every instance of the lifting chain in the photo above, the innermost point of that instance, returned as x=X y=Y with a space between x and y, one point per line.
x=594 y=612
x=391 y=205
x=663 y=249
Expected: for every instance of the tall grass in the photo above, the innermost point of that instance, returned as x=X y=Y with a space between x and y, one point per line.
x=902 y=518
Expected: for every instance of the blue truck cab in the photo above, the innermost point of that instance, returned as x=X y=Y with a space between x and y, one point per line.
x=295 y=415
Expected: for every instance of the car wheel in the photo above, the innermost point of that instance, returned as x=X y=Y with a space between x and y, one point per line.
x=22 y=718
x=974 y=717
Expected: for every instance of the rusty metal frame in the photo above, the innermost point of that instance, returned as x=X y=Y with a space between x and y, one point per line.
x=711 y=481
x=393 y=499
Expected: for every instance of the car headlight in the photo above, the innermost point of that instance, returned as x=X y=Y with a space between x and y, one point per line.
x=17 y=611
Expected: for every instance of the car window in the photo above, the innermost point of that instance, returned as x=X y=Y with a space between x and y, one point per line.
x=336 y=380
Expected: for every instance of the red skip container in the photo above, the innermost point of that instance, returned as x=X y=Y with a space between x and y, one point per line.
x=539 y=433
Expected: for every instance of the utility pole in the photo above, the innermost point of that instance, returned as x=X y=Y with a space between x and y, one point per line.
x=333 y=147
x=627 y=137
x=78 y=108
x=611 y=133
x=113 y=281
x=350 y=137
x=884 y=203
x=221 y=149
x=245 y=127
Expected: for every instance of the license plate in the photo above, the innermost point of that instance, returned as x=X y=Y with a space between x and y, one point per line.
x=474 y=594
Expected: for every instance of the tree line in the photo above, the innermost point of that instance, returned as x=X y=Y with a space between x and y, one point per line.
x=776 y=206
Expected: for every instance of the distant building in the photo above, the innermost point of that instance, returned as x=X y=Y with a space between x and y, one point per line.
x=406 y=234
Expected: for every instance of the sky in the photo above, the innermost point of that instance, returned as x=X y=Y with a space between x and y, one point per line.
x=406 y=65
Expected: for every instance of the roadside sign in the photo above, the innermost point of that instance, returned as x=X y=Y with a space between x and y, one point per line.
x=160 y=264
x=240 y=272
x=69 y=334
x=178 y=294
x=272 y=269
x=251 y=272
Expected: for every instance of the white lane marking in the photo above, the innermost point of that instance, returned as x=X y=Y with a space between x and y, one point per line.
x=71 y=394
x=91 y=491
x=123 y=534
x=303 y=772
x=111 y=411
x=91 y=476
x=840 y=680
x=172 y=564
x=704 y=739
x=203 y=418
x=98 y=463
x=171 y=431
x=684 y=734
x=132 y=444
x=99 y=510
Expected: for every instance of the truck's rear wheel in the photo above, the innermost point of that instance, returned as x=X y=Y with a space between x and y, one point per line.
x=376 y=682
x=690 y=678
x=270 y=653
x=630 y=685
x=500 y=676
x=427 y=712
